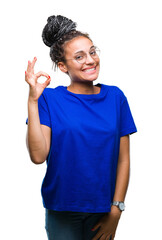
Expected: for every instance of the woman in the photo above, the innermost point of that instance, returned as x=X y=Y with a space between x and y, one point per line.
x=82 y=131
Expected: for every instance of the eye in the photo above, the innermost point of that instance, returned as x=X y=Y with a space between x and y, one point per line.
x=93 y=52
x=79 y=57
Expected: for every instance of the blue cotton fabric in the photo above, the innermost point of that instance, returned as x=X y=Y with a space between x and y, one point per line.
x=82 y=162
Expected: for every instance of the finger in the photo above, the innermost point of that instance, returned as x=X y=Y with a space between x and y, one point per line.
x=103 y=237
x=98 y=236
x=108 y=237
x=47 y=82
x=33 y=63
x=29 y=66
x=42 y=74
x=112 y=237
x=96 y=226
x=26 y=76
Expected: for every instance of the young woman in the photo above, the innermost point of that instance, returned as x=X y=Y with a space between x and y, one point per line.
x=82 y=132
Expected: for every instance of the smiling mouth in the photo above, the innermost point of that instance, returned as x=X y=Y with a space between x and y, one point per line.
x=90 y=69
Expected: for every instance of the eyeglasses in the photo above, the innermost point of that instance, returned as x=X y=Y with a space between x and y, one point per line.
x=81 y=57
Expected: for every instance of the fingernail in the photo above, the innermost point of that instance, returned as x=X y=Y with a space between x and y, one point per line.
x=49 y=76
x=25 y=72
x=35 y=58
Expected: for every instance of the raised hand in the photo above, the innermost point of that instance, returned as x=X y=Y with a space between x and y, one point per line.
x=35 y=88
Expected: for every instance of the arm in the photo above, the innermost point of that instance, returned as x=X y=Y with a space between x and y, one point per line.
x=123 y=170
x=38 y=136
x=109 y=222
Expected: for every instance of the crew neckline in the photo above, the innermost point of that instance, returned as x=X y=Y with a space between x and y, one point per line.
x=94 y=95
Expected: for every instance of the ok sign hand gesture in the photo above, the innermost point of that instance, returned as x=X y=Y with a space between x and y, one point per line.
x=35 y=88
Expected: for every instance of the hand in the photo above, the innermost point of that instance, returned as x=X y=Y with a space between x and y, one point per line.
x=108 y=225
x=36 y=88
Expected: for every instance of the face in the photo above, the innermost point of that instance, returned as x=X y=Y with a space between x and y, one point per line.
x=87 y=71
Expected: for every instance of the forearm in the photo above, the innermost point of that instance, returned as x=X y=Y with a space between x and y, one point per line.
x=123 y=172
x=122 y=180
x=36 y=142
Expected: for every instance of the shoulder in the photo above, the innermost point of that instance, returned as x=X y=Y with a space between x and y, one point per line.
x=115 y=91
x=48 y=96
x=51 y=92
x=48 y=91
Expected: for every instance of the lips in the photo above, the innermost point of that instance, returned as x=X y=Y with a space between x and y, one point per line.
x=89 y=70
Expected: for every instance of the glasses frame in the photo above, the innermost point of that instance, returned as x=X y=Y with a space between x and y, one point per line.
x=94 y=57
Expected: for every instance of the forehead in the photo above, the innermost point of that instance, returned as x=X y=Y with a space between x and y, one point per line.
x=78 y=44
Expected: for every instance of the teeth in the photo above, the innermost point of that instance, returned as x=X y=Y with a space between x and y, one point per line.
x=88 y=70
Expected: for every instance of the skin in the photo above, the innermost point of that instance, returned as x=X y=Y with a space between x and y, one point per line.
x=81 y=81
x=39 y=136
x=108 y=224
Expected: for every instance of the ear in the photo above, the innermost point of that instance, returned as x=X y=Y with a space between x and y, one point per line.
x=62 y=67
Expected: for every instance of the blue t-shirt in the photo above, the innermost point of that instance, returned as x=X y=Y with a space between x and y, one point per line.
x=82 y=162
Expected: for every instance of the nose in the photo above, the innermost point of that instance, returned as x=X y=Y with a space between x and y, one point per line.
x=89 y=59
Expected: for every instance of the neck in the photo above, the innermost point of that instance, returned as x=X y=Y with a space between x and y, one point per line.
x=83 y=88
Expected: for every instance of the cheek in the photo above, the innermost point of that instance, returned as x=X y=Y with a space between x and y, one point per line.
x=74 y=67
x=98 y=62
x=98 y=66
x=75 y=71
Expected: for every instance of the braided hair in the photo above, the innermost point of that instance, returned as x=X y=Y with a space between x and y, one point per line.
x=56 y=33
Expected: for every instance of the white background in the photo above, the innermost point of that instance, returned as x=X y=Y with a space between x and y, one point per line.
x=129 y=35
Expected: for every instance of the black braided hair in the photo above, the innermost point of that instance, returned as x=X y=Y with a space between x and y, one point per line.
x=56 y=32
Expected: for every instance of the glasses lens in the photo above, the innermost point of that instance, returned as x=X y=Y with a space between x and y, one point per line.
x=97 y=52
x=81 y=58
x=94 y=53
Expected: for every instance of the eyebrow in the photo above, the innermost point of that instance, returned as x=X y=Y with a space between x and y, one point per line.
x=83 y=51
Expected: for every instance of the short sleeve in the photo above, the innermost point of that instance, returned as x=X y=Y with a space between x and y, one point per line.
x=44 y=114
x=127 y=124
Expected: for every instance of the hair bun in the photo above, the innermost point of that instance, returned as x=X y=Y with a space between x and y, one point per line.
x=55 y=28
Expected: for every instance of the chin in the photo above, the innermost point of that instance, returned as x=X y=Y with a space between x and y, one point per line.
x=90 y=77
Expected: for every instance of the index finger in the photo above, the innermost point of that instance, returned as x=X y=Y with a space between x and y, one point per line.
x=42 y=74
